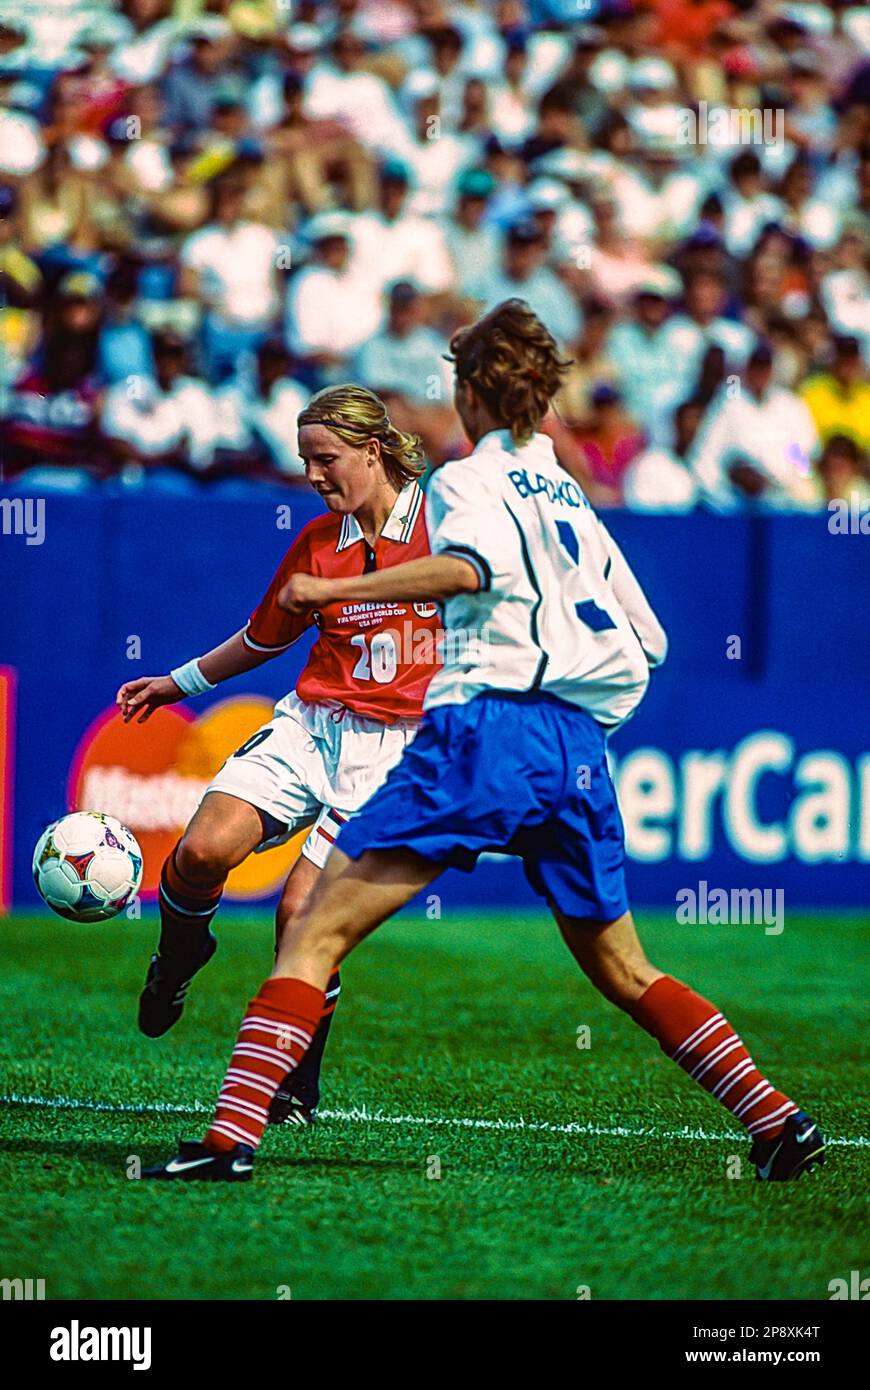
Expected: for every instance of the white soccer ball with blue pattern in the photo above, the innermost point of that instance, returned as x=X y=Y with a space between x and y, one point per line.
x=87 y=866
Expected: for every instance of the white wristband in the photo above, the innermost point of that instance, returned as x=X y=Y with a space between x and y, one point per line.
x=190 y=679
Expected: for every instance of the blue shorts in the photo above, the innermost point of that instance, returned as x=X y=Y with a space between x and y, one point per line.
x=519 y=774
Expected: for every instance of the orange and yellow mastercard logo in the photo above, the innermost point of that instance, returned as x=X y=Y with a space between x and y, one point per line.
x=152 y=776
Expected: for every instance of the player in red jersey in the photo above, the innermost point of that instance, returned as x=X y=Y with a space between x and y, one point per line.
x=333 y=740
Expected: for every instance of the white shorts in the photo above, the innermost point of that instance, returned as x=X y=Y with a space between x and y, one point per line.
x=313 y=765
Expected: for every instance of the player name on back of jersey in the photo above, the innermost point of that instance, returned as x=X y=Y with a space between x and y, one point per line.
x=562 y=491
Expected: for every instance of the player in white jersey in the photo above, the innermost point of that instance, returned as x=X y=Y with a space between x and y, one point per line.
x=557 y=608
x=510 y=756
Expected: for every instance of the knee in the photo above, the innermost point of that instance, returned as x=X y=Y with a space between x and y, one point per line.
x=287 y=919
x=200 y=860
x=622 y=980
x=302 y=937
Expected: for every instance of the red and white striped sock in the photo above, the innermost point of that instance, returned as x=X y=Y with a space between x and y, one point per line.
x=693 y=1033
x=275 y=1034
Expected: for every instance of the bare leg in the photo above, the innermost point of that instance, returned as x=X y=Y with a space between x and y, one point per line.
x=300 y=885
x=688 y=1028
x=350 y=899
x=298 y=1099
x=222 y=832
x=611 y=955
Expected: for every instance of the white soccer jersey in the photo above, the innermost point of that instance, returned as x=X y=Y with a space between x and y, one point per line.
x=558 y=610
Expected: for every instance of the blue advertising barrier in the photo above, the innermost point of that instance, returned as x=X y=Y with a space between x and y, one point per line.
x=746 y=765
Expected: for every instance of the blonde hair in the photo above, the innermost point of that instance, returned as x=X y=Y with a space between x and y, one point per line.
x=357 y=415
x=512 y=361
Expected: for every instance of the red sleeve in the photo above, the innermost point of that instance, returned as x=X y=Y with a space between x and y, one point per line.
x=270 y=628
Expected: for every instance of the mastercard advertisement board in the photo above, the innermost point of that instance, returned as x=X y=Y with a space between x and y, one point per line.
x=152 y=777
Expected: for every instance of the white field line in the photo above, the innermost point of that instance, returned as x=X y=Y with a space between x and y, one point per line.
x=360 y=1115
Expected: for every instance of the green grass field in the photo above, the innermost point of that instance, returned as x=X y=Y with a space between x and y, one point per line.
x=455 y=1048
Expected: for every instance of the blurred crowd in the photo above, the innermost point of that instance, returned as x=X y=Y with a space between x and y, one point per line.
x=210 y=209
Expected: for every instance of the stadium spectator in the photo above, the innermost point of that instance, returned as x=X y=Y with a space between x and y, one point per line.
x=523 y=274
x=405 y=357
x=51 y=429
x=839 y=400
x=843 y=471
x=803 y=214
x=508 y=201
x=191 y=89
x=609 y=441
x=435 y=156
x=845 y=289
x=332 y=307
x=230 y=266
x=124 y=346
x=20 y=289
x=54 y=206
x=557 y=125
x=757 y=443
x=405 y=363
x=617 y=264
x=257 y=417
x=652 y=381
x=342 y=90
x=588 y=102
x=590 y=365
x=316 y=160
x=509 y=107
x=164 y=424
x=749 y=205
x=660 y=479
x=472 y=244
x=701 y=324
x=391 y=242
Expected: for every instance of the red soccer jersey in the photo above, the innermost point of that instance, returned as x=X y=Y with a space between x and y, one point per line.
x=374 y=658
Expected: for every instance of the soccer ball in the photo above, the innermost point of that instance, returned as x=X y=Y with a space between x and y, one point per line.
x=87 y=866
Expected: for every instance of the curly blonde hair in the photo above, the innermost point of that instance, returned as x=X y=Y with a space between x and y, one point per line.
x=357 y=416
x=512 y=361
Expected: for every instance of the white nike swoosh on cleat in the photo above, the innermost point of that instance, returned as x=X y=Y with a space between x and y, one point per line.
x=173 y=1166
x=802 y=1138
x=239 y=1166
x=765 y=1171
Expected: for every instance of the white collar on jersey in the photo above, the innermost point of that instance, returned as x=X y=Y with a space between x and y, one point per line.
x=503 y=442
x=399 y=524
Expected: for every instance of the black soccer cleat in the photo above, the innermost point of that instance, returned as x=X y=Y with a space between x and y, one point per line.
x=195 y=1163
x=797 y=1149
x=287 y=1109
x=162 y=1000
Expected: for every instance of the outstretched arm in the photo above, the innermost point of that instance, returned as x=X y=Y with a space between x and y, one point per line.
x=431 y=579
x=146 y=694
